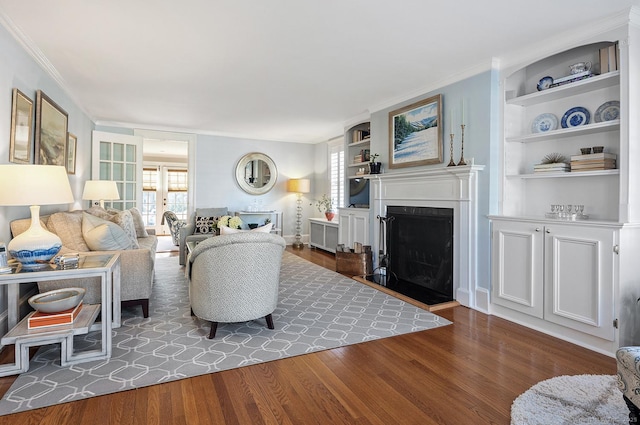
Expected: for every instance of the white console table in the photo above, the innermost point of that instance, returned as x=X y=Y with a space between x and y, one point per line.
x=259 y=217
x=323 y=234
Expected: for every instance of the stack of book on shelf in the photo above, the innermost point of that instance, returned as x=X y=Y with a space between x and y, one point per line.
x=593 y=161
x=360 y=135
x=363 y=156
x=609 y=58
x=571 y=78
x=553 y=167
x=42 y=320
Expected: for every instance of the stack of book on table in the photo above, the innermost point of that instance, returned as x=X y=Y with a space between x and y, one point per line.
x=41 y=320
x=553 y=167
x=593 y=161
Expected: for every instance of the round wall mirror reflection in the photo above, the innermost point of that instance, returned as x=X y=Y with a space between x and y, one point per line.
x=256 y=173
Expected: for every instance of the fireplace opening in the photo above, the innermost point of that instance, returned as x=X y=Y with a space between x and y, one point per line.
x=420 y=253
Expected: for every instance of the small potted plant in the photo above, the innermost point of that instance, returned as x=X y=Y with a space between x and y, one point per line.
x=374 y=166
x=325 y=204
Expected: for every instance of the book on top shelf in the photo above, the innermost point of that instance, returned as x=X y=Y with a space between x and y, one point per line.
x=613 y=53
x=360 y=135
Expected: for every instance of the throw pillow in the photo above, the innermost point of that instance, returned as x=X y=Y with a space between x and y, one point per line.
x=68 y=226
x=100 y=212
x=138 y=222
x=103 y=235
x=225 y=230
x=124 y=219
x=205 y=225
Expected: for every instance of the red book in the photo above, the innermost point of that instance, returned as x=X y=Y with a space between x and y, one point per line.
x=41 y=320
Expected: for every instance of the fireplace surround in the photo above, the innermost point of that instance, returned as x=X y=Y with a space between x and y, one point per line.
x=454 y=188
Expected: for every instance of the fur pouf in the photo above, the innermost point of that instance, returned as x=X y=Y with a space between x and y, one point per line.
x=580 y=399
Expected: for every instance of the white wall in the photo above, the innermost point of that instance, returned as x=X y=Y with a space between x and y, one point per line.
x=19 y=70
x=216 y=159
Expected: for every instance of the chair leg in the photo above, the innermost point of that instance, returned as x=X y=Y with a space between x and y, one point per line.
x=214 y=327
x=145 y=307
x=269 y=319
x=634 y=412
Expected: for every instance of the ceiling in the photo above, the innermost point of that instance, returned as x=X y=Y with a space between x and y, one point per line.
x=286 y=70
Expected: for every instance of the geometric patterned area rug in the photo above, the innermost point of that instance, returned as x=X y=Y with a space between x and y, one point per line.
x=318 y=309
x=579 y=399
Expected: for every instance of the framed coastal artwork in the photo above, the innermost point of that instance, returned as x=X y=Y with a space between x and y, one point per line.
x=72 y=145
x=52 y=123
x=415 y=134
x=21 y=128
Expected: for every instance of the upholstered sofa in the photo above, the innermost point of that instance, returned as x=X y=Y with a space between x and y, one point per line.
x=79 y=231
x=200 y=226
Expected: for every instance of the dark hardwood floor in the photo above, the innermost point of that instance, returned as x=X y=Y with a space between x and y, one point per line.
x=466 y=373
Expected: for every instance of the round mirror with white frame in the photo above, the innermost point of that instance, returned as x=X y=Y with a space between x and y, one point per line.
x=256 y=173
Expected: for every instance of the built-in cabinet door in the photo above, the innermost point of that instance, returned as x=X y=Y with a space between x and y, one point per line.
x=354 y=227
x=517 y=266
x=579 y=278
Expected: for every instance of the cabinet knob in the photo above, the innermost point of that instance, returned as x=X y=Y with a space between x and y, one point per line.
x=548 y=230
x=616 y=249
x=537 y=229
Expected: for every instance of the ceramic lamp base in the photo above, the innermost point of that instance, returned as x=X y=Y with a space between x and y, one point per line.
x=34 y=248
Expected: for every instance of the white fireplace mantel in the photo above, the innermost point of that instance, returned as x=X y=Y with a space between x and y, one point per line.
x=444 y=187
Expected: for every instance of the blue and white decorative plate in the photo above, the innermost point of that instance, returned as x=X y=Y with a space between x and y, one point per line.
x=544 y=83
x=544 y=122
x=575 y=117
x=608 y=111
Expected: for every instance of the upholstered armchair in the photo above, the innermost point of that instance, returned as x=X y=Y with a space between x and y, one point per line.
x=175 y=224
x=628 y=359
x=235 y=278
x=199 y=227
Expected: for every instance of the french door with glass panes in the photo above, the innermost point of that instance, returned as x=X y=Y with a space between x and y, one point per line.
x=118 y=157
x=165 y=188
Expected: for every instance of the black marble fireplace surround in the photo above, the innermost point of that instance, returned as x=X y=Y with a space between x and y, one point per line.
x=419 y=244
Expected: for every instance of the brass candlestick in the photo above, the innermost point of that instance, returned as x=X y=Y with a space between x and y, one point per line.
x=462 y=161
x=451 y=163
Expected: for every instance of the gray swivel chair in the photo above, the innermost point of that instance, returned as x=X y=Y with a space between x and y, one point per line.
x=235 y=278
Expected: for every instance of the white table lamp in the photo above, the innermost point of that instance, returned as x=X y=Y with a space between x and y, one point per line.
x=34 y=185
x=100 y=190
x=298 y=186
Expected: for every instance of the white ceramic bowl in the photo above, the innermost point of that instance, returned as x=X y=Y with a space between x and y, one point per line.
x=57 y=300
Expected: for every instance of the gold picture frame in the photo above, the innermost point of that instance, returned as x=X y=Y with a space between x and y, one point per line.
x=21 y=128
x=415 y=134
x=52 y=124
x=72 y=146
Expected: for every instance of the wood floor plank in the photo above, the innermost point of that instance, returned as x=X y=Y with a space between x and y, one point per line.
x=467 y=372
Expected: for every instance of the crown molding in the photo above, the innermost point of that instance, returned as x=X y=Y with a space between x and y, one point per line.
x=200 y=132
x=38 y=56
x=436 y=85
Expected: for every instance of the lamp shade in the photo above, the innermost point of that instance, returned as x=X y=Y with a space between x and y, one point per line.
x=299 y=185
x=34 y=185
x=28 y=184
x=100 y=190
